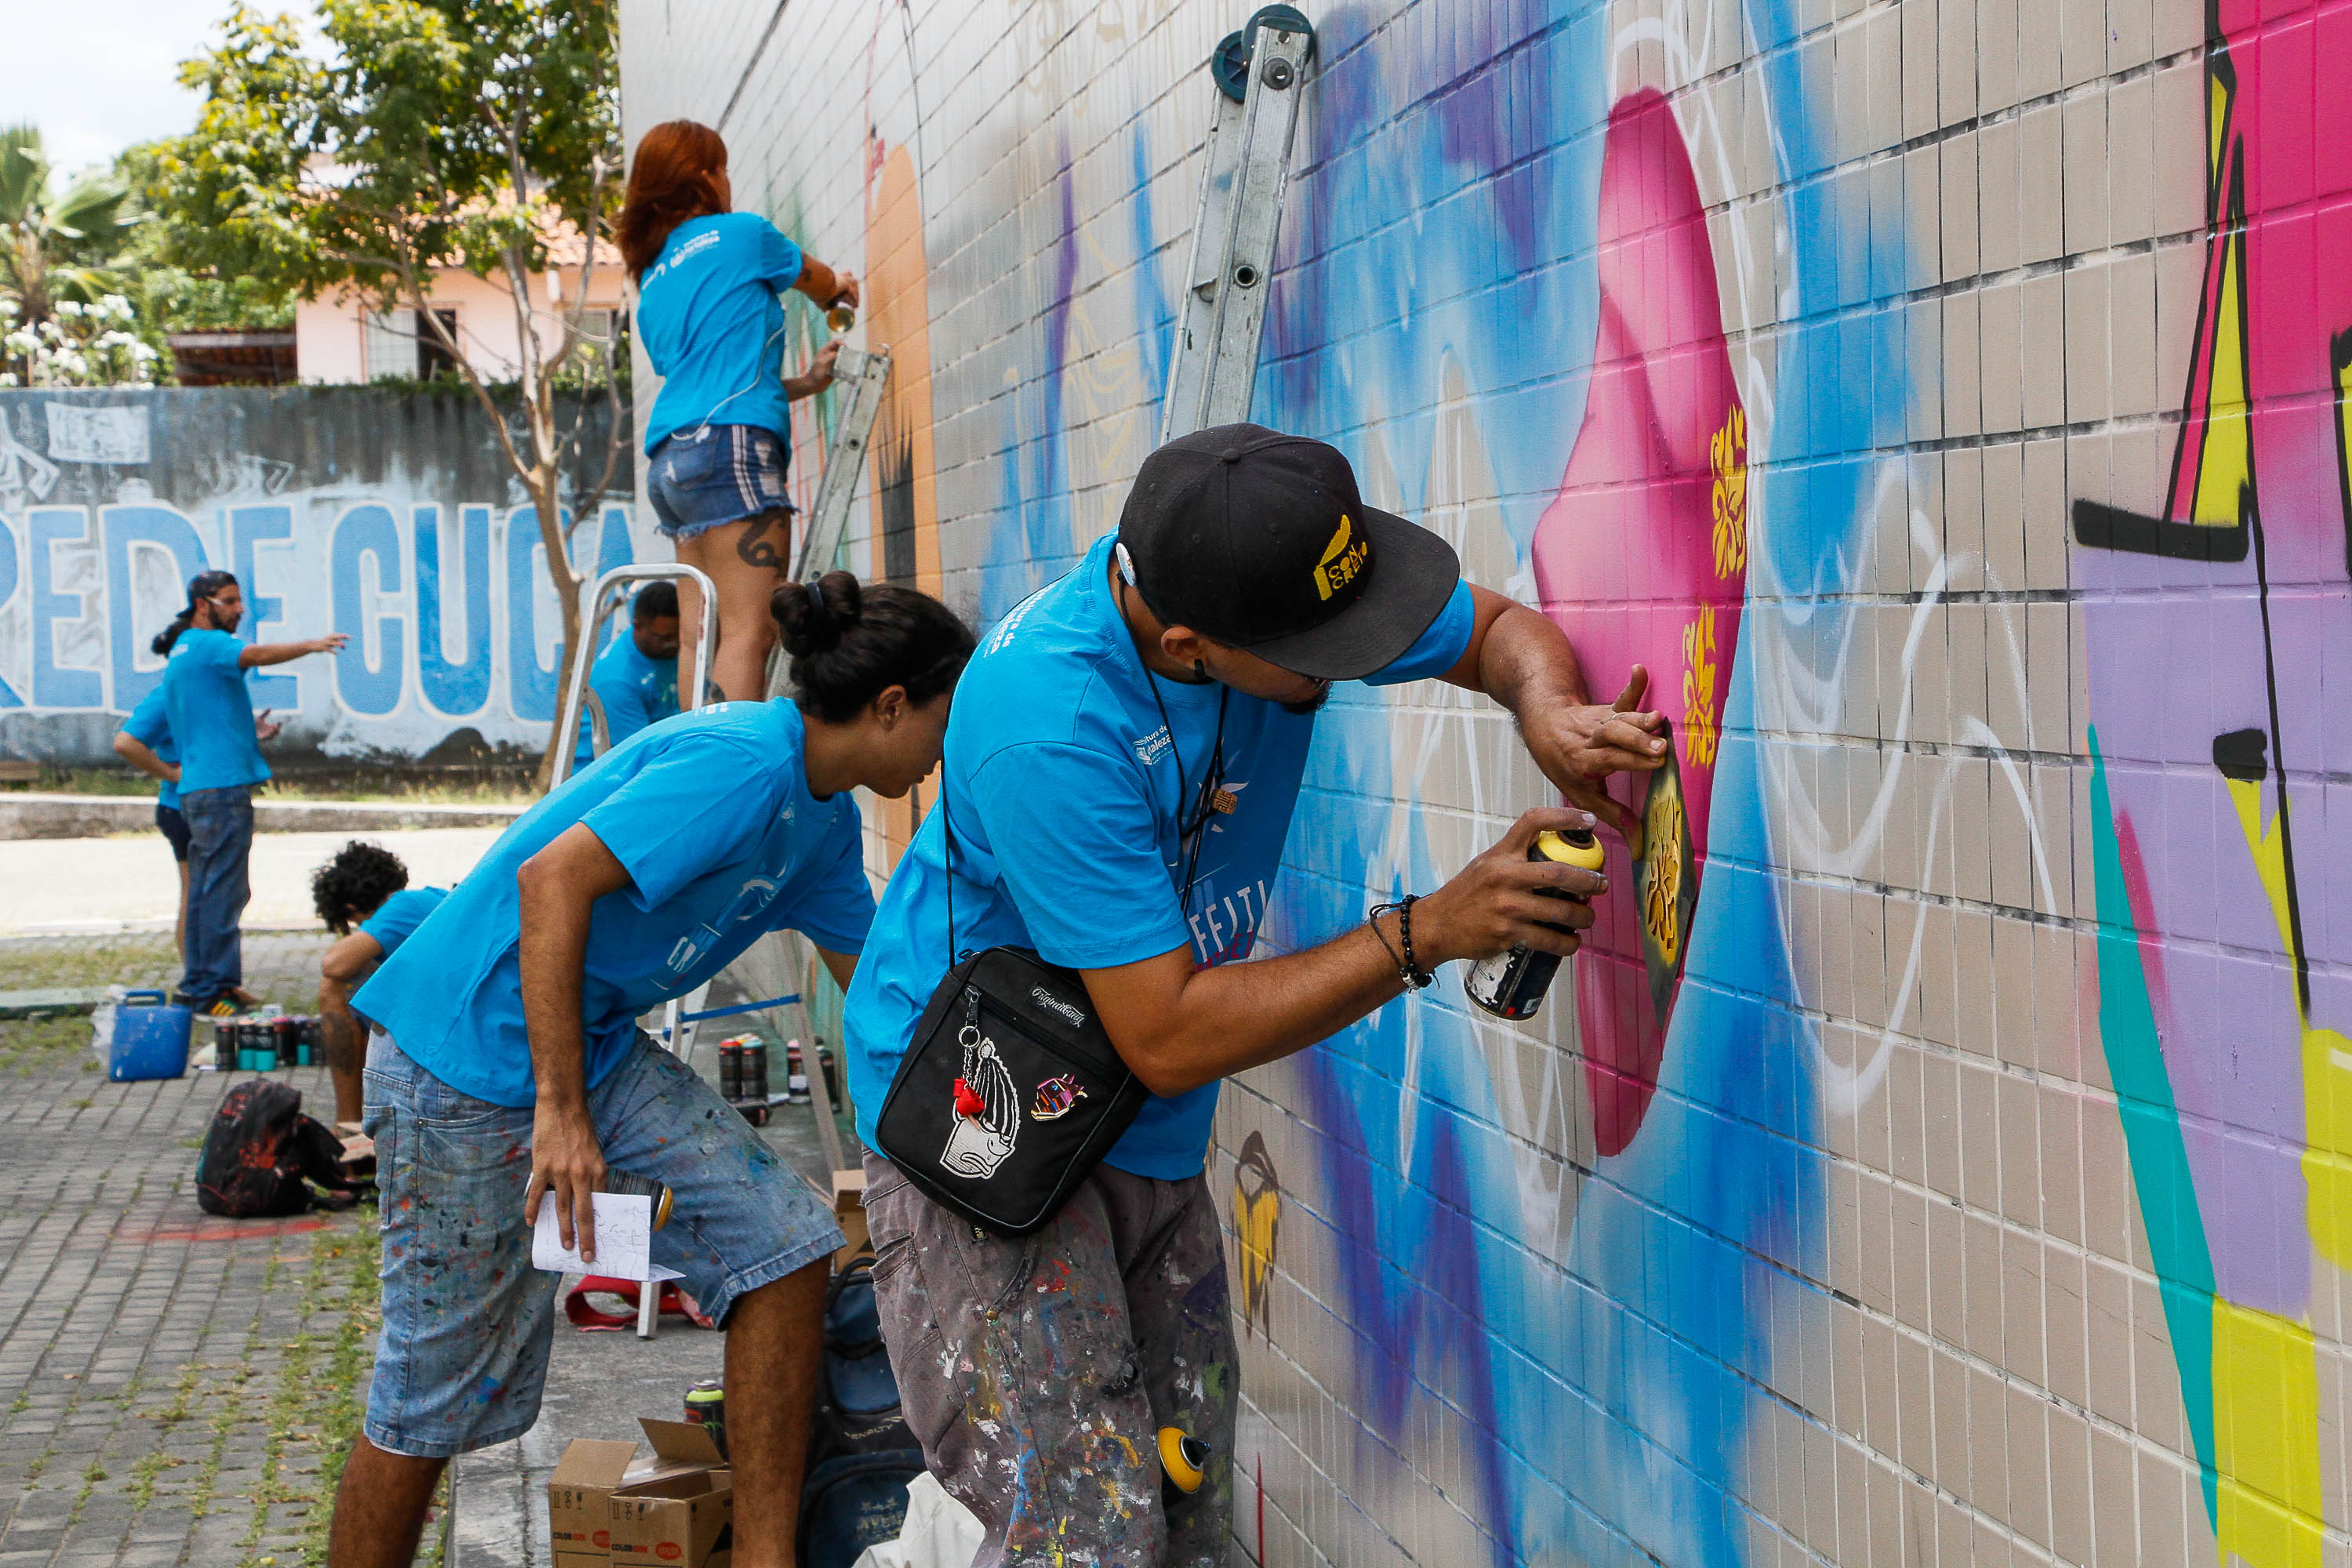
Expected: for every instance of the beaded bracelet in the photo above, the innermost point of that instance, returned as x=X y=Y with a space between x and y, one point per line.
x=1414 y=977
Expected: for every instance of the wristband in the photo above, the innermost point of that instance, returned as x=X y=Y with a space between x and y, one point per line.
x=1415 y=978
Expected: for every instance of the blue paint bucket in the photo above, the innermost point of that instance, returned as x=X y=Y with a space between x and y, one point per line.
x=150 y=1040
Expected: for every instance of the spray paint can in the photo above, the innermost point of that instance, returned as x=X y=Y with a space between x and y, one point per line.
x=730 y=1070
x=706 y=1402
x=841 y=318
x=1512 y=984
x=754 y=1100
x=286 y=1040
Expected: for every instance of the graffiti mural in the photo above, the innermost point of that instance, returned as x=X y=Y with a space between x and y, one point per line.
x=390 y=520
x=1642 y=558
x=2222 y=1002
x=1940 y=1150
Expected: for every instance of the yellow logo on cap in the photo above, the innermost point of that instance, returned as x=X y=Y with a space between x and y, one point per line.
x=1343 y=558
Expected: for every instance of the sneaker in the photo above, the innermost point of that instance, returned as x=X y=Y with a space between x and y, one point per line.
x=220 y=1007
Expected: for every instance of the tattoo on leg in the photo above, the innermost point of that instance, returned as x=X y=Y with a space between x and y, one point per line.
x=754 y=549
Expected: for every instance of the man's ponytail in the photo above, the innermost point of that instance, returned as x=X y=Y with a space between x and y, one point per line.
x=200 y=586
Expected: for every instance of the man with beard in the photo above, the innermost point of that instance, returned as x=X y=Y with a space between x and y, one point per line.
x=1117 y=785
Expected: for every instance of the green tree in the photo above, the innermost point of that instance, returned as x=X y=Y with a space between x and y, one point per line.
x=61 y=237
x=436 y=134
x=173 y=296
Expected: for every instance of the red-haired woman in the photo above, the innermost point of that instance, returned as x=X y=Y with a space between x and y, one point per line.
x=710 y=316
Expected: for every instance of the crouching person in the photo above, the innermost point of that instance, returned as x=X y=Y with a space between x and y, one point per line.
x=509 y=1068
x=364 y=897
x=1120 y=777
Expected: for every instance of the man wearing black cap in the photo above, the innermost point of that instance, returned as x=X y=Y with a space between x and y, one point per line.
x=1121 y=768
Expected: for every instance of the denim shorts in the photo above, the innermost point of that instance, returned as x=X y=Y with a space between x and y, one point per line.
x=468 y=1321
x=173 y=827
x=706 y=477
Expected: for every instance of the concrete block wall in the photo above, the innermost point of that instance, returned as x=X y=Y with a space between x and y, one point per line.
x=1946 y=402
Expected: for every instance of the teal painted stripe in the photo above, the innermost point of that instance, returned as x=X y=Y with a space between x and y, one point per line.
x=2159 y=1159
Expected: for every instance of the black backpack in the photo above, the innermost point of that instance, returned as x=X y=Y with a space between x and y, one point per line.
x=857 y=1407
x=852 y=1501
x=259 y=1150
x=861 y=1455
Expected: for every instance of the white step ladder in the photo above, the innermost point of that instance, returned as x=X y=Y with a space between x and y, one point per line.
x=1213 y=366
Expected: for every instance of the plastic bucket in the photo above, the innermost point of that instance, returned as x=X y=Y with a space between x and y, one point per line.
x=151 y=1038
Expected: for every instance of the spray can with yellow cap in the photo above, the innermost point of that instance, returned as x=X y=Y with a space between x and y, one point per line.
x=1512 y=984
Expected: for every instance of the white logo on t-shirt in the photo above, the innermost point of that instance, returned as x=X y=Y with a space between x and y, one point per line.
x=1150 y=749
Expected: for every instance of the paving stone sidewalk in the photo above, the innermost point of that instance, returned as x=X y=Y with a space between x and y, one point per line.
x=179 y=1389
x=170 y=1383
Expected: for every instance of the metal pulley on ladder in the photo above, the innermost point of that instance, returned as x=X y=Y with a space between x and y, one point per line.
x=1259 y=73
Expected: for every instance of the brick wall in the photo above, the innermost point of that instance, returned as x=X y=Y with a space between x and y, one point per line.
x=1968 y=1177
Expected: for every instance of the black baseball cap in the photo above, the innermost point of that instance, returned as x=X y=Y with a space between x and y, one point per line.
x=1260 y=539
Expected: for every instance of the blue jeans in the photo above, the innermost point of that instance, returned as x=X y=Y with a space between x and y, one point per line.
x=220 y=837
x=468 y=1321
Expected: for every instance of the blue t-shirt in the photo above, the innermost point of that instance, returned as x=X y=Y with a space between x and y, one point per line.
x=711 y=816
x=211 y=712
x=397 y=918
x=150 y=724
x=635 y=691
x=710 y=321
x=1061 y=779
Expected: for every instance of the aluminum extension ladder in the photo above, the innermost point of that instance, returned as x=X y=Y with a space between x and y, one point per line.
x=1213 y=365
x=863 y=373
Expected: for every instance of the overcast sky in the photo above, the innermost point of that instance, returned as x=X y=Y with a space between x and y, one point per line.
x=98 y=75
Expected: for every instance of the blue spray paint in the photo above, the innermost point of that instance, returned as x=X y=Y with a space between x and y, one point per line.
x=249 y=526
x=365 y=686
x=457 y=687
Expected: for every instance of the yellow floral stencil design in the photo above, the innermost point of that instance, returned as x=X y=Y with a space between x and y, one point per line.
x=1700 y=728
x=1727 y=452
x=1661 y=829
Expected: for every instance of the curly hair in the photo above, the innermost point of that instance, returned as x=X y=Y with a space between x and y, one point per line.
x=352 y=886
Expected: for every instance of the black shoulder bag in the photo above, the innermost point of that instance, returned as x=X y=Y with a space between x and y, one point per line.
x=1010 y=1091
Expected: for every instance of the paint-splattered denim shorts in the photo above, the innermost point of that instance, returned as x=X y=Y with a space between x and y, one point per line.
x=709 y=476
x=468 y=1321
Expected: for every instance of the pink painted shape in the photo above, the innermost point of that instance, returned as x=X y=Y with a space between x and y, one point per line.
x=1625 y=556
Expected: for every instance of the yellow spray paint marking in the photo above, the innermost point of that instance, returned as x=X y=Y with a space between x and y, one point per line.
x=1700 y=728
x=2266 y=1440
x=2225 y=464
x=2326 y=1054
x=1727 y=452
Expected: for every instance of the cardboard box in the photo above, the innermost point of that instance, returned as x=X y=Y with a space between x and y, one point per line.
x=849 y=1212
x=585 y=1481
x=676 y=1521
x=595 y=1476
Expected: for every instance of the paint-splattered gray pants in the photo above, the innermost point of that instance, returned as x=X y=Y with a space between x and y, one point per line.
x=1038 y=1373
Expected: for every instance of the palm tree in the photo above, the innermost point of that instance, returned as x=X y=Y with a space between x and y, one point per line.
x=55 y=244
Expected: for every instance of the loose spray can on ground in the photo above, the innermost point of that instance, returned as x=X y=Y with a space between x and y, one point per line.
x=706 y=1401
x=1512 y=984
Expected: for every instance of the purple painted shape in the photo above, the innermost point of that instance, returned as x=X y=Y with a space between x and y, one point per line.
x=2236 y=1066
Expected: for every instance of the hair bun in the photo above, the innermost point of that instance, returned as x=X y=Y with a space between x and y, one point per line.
x=811 y=616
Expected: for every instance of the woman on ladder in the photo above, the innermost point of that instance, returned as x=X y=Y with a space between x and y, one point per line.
x=712 y=320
